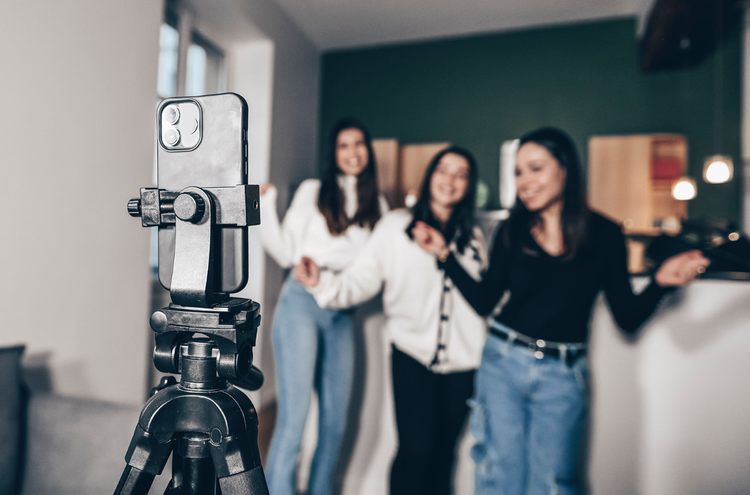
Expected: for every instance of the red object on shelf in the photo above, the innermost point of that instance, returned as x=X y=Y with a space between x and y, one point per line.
x=666 y=168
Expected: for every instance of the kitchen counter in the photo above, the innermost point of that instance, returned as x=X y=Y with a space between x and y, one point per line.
x=669 y=409
x=668 y=412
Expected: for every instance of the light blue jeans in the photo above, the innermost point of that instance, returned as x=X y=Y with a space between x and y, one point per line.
x=528 y=417
x=314 y=348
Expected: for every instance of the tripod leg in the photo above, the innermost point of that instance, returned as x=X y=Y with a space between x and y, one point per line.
x=237 y=463
x=146 y=458
x=251 y=482
x=134 y=481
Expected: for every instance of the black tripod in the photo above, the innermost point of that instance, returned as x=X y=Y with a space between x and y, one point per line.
x=208 y=426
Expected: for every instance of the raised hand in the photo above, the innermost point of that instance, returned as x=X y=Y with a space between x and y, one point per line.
x=681 y=269
x=307 y=272
x=428 y=238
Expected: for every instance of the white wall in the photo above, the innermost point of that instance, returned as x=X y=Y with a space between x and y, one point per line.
x=78 y=80
x=76 y=127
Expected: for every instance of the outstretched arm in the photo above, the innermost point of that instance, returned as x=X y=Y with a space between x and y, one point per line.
x=483 y=295
x=629 y=310
x=681 y=269
x=360 y=281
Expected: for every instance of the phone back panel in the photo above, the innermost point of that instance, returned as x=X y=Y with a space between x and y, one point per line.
x=218 y=160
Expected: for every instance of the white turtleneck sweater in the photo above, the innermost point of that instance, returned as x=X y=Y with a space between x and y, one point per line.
x=427 y=317
x=304 y=231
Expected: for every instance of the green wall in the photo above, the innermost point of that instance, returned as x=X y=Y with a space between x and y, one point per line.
x=482 y=90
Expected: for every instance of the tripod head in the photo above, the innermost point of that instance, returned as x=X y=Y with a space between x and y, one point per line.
x=195 y=213
x=230 y=323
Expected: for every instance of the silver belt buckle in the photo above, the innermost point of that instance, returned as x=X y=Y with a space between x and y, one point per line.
x=537 y=348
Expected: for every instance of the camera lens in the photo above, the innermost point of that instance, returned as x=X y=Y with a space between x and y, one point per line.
x=172 y=114
x=194 y=126
x=172 y=137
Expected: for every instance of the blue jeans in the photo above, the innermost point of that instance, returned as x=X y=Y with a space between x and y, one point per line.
x=314 y=348
x=527 y=418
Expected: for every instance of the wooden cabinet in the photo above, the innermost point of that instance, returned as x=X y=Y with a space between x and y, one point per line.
x=402 y=167
x=387 y=158
x=415 y=158
x=630 y=180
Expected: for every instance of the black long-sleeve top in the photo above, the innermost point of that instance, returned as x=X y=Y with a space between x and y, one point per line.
x=552 y=298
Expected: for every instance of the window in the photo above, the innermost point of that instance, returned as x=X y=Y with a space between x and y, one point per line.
x=203 y=61
x=204 y=67
x=169 y=54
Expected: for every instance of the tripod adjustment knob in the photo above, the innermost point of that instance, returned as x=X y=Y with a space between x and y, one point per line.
x=134 y=207
x=189 y=207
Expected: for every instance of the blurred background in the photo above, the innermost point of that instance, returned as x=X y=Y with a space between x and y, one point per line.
x=654 y=92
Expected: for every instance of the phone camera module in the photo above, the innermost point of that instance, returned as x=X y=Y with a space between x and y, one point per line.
x=172 y=114
x=172 y=137
x=194 y=126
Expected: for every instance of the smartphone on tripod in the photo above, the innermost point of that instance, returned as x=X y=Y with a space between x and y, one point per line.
x=202 y=207
x=202 y=141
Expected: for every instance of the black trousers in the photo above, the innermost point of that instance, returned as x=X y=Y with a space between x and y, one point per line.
x=430 y=413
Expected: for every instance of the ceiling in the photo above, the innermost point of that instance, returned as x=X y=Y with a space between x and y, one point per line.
x=335 y=24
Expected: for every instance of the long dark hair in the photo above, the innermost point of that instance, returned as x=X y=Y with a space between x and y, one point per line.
x=575 y=211
x=461 y=222
x=331 y=197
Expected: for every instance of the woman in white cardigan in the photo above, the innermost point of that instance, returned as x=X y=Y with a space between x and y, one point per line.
x=437 y=337
x=328 y=221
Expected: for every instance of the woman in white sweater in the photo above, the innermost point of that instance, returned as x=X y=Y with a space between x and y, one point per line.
x=328 y=221
x=437 y=337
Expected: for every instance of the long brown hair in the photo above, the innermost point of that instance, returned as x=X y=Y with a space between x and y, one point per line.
x=575 y=211
x=460 y=226
x=331 y=197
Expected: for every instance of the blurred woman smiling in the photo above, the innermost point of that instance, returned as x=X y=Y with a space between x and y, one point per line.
x=437 y=337
x=329 y=221
x=551 y=258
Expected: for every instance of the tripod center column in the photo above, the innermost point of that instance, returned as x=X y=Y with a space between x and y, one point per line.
x=198 y=363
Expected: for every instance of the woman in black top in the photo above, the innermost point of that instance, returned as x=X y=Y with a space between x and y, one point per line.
x=550 y=260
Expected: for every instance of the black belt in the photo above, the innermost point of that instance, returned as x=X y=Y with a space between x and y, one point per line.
x=569 y=352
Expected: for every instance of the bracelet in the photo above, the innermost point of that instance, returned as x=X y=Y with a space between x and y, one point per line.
x=443 y=257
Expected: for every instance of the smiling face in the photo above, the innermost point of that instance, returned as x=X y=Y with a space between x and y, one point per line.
x=540 y=180
x=351 y=151
x=450 y=180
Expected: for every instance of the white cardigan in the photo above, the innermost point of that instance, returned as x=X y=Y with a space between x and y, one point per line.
x=423 y=308
x=304 y=231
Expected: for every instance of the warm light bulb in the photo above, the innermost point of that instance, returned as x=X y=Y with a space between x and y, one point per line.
x=684 y=189
x=718 y=169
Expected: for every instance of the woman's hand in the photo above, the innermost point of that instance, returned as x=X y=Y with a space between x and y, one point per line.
x=681 y=269
x=429 y=239
x=307 y=272
x=264 y=188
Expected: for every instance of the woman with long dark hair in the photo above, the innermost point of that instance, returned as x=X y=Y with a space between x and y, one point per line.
x=548 y=263
x=329 y=220
x=436 y=336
